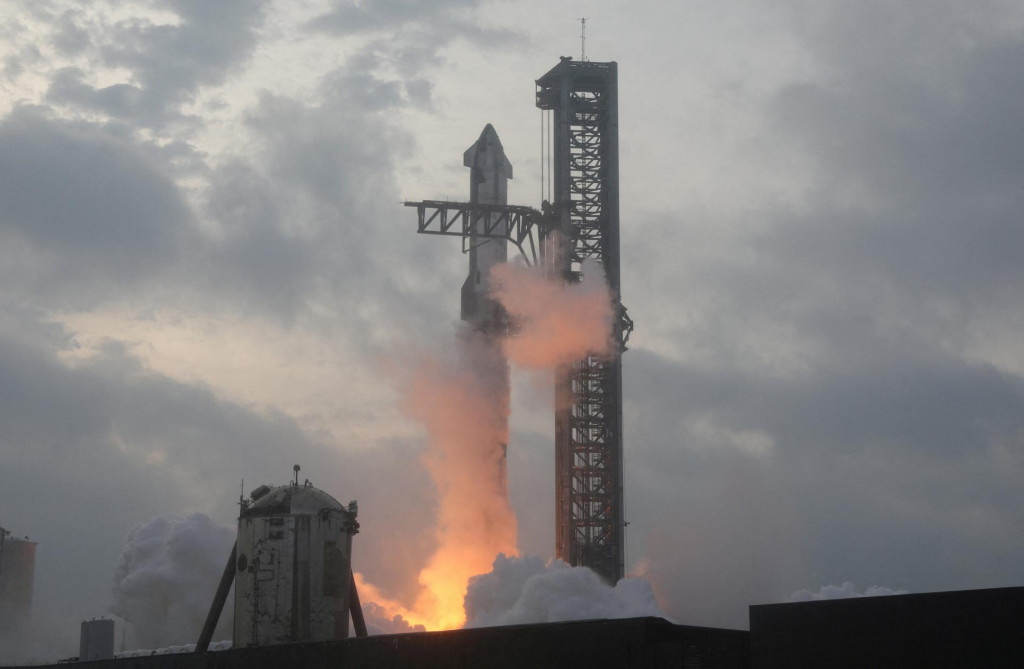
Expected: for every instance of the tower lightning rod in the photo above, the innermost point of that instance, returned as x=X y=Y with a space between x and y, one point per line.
x=583 y=39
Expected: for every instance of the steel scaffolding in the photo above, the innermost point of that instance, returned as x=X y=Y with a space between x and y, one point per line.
x=582 y=97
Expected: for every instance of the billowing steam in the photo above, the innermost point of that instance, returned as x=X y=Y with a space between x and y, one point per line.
x=556 y=322
x=463 y=403
x=380 y=620
x=165 y=579
x=845 y=591
x=525 y=590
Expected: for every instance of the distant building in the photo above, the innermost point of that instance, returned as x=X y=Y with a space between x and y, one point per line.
x=17 y=573
x=97 y=640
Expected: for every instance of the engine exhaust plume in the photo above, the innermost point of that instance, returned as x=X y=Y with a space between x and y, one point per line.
x=463 y=404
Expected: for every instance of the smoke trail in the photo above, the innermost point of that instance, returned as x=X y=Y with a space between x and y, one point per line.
x=525 y=590
x=165 y=578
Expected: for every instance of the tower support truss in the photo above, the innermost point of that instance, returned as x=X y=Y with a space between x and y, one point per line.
x=582 y=97
x=477 y=223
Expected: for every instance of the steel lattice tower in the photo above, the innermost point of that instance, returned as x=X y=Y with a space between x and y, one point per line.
x=582 y=97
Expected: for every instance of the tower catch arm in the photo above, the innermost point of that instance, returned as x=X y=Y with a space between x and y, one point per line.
x=513 y=223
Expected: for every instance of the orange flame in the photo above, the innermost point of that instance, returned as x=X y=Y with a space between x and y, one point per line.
x=464 y=408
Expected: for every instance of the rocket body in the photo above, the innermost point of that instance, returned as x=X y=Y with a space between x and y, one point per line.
x=490 y=171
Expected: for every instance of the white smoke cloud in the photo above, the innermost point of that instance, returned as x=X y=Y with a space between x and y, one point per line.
x=844 y=591
x=381 y=621
x=556 y=322
x=166 y=577
x=524 y=590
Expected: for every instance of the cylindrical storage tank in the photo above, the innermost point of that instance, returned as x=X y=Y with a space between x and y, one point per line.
x=17 y=574
x=96 y=641
x=292 y=571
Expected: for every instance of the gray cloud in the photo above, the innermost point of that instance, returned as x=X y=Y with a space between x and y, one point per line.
x=313 y=214
x=416 y=32
x=308 y=216
x=827 y=421
x=70 y=38
x=91 y=213
x=168 y=63
x=871 y=472
x=347 y=17
x=123 y=101
x=935 y=173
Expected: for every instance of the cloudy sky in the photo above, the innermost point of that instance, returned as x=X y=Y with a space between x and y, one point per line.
x=206 y=276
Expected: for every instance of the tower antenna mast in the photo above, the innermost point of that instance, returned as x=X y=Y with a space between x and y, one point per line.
x=583 y=39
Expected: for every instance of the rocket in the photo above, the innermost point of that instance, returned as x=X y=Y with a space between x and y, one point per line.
x=488 y=184
x=490 y=171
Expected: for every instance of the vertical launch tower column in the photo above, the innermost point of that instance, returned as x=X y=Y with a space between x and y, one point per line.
x=582 y=97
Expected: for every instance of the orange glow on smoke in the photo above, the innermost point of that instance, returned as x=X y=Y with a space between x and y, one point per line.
x=464 y=406
x=557 y=322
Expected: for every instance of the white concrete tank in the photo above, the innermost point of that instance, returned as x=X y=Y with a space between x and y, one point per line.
x=17 y=574
x=294 y=556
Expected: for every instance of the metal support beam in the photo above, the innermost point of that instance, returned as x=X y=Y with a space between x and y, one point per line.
x=217 y=606
x=475 y=223
x=355 y=609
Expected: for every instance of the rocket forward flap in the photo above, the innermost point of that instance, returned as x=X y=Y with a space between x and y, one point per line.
x=488 y=155
x=488 y=184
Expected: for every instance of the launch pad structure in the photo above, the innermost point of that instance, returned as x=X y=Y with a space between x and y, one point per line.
x=579 y=224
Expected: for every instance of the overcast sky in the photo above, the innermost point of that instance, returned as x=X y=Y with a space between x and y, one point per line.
x=206 y=275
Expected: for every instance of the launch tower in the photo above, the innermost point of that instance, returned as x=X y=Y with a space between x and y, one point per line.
x=582 y=98
x=583 y=222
